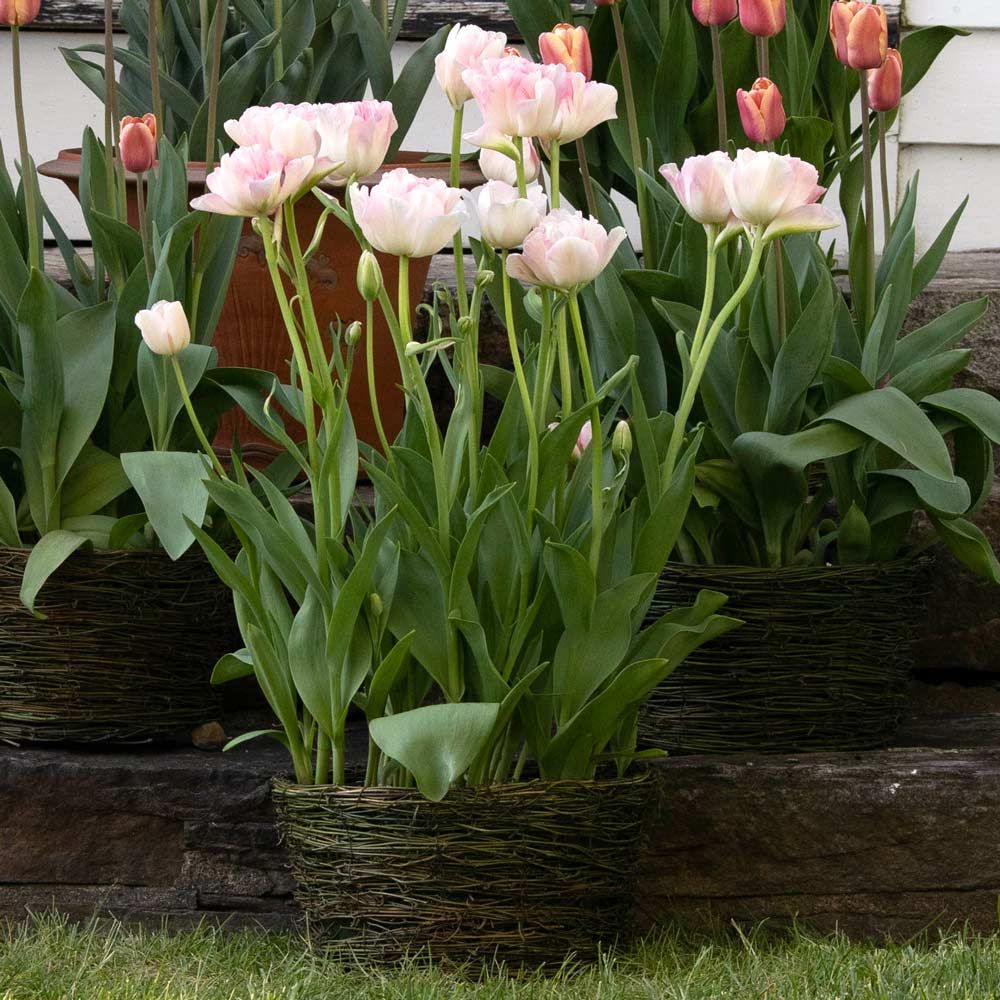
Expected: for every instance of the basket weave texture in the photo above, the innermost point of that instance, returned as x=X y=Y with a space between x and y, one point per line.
x=527 y=873
x=821 y=663
x=124 y=654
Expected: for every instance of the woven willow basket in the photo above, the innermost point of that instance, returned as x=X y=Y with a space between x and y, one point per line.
x=821 y=663
x=125 y=653
x=527 y=874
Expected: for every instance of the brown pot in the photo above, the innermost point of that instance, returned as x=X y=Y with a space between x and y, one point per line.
x=251 y=334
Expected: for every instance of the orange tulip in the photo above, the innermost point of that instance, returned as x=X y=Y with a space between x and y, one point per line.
x=763 y=18
x=762 y=111
x=137 y=143
x=860 y=33
x=569 y=46
x=17 y=13
x=885 y=84
x=713 y=13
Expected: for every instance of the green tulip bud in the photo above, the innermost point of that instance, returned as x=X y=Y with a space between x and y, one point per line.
x=352 y=335
x=621 y=442
x=370 y=282
x=376 y=605
x=484 y=279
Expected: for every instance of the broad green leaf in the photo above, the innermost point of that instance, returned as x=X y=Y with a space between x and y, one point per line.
x=47 y=555
x=969 y=545
x=972 y=406
x=854 y=538
x=232 y=667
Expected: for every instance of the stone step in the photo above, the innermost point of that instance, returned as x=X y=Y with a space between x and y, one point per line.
x=879 y=844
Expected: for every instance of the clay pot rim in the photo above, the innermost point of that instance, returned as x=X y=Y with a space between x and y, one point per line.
x=66 y=167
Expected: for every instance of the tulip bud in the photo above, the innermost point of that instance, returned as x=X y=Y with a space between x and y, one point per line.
x=569 y=47
x=714 y=13
x=583 y=440
x=370 y=282
x=376 y=604
x=352 y=335
x=137 y=143
x=763 y=18
x=484 y=278
x=164 y=328
x=761 y=111
x=466 y=327
x=18 y=13
x=621 y=441
x=885 y=84
x=860 y=33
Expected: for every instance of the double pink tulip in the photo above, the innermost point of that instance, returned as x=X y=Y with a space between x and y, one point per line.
x=700 y=187
x=466 y=48
x=253 y=181
x=565 y=251
x=860 y=33
x=500 y=167
x=505 y=218
x=762 y=111
x=408 y=216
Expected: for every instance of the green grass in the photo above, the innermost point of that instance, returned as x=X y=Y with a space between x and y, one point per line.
x=49 y=959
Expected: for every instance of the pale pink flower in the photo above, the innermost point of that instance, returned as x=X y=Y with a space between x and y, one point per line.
x=253 y=181
x=500 y=167
x=355 y=137
x=583 y=105
x=516 y=97
x=408 y=216
x=505 y=218
x=565 y=251
x=467 y=46
x=779 y=193
x=164 y=327
x=700 y=186
x=583 y=440
x=289 y=129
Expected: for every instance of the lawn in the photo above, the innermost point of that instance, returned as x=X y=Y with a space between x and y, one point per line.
x=51 y=960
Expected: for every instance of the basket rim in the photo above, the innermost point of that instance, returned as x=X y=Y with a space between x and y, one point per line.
x=96 y=553
x=873 y=569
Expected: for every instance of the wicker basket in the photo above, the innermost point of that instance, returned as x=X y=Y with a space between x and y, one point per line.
x=526 y=874
x=124 y=654
x=821 y=663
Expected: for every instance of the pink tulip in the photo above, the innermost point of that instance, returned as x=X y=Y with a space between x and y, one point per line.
x=762 y=111
x=700 y=187
x=583 y=440
x=253 y=181
x=355 y=137
x=582 y=107
x=500 y=167
x=467 y=47
x=516 y=97
x=885 y=84
x=778 y=193
x=566 y=251
x=164 y=327
x=288 y=129
x=137 y=143
x=569 y=47
x=714 y=13
x=18 y=13
x=860 y=33
x=763 y=18
x=408 y=216
x=505 y=218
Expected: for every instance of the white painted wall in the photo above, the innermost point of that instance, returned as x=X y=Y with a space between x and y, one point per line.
x=949 y=128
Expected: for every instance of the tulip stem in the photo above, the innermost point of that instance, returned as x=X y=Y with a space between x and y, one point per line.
x=711 y=270
x=456 y=177
x=554 y=171
x=883 y=157
x=699 y=364
x=109 y=109
x=215 y=70
x=153 y=53
x=193 y=417
x=144 y=234
x=763 y=57
x=28 y=177
x=866 y=142
x=596 y=444
x=638 y=160
x=541 y=395
x=522 y=388
x=719 y=74
x=279 y=54
x=588 y=183
x=372 y=390
x=565 y=374
x=522 y=176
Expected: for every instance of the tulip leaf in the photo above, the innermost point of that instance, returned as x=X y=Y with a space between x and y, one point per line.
x=171 y=485
x=95 y=480
x=436 y=743
x=47 y=555
x=158 y=386
x=969 y=545
x=941 y=334
x=232 y=667
x=972 y=406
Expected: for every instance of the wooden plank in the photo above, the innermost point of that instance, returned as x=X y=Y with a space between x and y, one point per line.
x=424 y=17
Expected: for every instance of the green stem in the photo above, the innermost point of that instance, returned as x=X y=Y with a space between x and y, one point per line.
x=109 y=113
x=699 y=364
x=711 y=270
x=541 y=394
x=203 y=29
x=522 y=388
x=279 y=55
x=28 y=178
x=144 y=233
x=215 y=70
x=193 y=417
x=883 y=157
x=719 y=75
x=456 y=176
x=638 y=160
x=153 y=54
x=554 y=169
x=596 y=443
x=763 y=58
x=372 y=390
x=779 y=287
x=565 y=374
x=866 y=142
x=522 y=177
x=588 y=183
x=322 y=773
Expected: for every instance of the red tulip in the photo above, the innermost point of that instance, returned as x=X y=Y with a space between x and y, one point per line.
x=885 y=84
x=860 y=33
x=713 y=13
x=137 y=143
x=763 y=18
x=569 y=47
x=762 y=111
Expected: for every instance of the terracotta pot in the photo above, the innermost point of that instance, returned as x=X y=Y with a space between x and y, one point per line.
x=251 y=334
